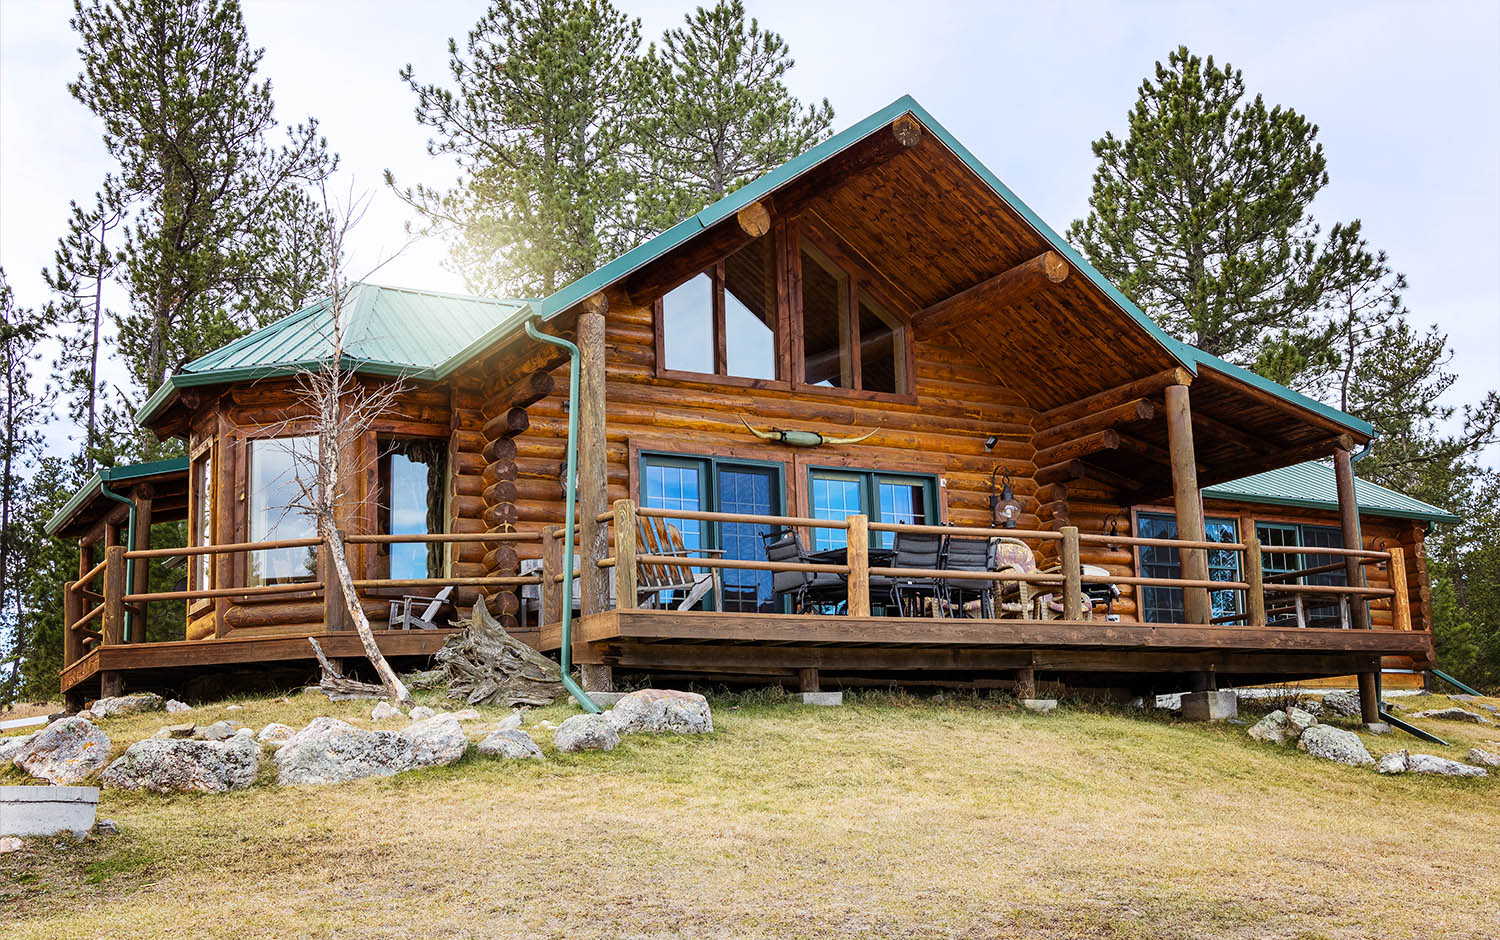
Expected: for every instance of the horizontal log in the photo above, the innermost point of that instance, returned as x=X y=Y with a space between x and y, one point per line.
x=1129 y=413
x=508 y=423
x=1140 y=388
x=521 y=393
x=501 y=491
x=1078 y=447
x=1002 y=290
x=500 y=470
x=1061 y=472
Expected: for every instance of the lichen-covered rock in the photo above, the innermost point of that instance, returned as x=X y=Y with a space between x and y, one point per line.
x=1478 y=755
x=421 y=713
x=179 y=766
x=586 y=733
x=385 y=711
x=218 y=731
x=510 y=743
x=174 y=706
x=1393 y=763
x=1334 y=744
x=10 y=747
x=1299 y=720
x=658 y=710
x=1344 y=703
x=134 y=704
x=1313 y=706
x=275 y=733
x=514 y=720
x=65 y=752
x=332 y=751
x=1272 y=728
x=1453 y=714
x=1442 y=766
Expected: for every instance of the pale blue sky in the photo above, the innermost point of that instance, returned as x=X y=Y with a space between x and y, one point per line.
x=1405 y=95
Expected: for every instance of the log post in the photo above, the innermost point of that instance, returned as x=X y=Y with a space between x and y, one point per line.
x=1072 y=571
x=1195 y=604
x=859 y=566
x=72 y=611
x=549 y=594
x=141 y=578
x=113 y=629
x=1026 y=683
x=1343 y=474
x=1401 y=600
x=626 y=588
x=335 y=610
x=808 y=679
x=1255 y=595
x=593 y=479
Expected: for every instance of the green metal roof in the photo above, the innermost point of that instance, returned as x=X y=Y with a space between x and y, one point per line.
x=107 y=475
x=1312 y=485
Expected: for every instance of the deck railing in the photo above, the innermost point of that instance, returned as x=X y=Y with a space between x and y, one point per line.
x=1067 y=576
x=96 y=617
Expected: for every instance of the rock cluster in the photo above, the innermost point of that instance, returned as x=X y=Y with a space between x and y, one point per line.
x=586 y=733
x=332 y=751
x=176 y=765
x=660 y=710
x=1400 y=762
x=1296 y=725
x=120 y=705
x=385 y=711
x=65 y=752
x=1478 y=755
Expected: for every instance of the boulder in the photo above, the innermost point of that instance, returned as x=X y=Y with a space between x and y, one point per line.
x=1313 y=706
x=218 y=731
x=276 y=733
x=1393 y=763
x=177 y=731
x=1482 y=757
x=1344 y=703
x=659 y=710
x=332 y=751
x=10 y=747
x=1272 y=728
x=127 y=705
x=421 y=713
x=513 y=720
x=233 y=708
x=385 y=711
x=65 y=752
x=586 y=733
x=1453 y=714
x=1299 y=720
x=174 y=706
x=1442 y=766
x=1334 y=744
x=510 y=743
x=10 y=844
x=183 y=766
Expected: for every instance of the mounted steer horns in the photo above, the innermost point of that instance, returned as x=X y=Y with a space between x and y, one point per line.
x=801 y=438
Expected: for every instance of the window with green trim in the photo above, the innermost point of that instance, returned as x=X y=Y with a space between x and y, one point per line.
x=1165 y=604
x=883 y=497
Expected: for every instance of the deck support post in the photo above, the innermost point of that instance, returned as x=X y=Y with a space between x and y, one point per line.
x=1189 y=503
x=72 y=611
x=859 y=567
x=593 y=480
x=808 y=679
x=1026 y=683
x=1343 y=474
x=111 y=683
x=113 y=620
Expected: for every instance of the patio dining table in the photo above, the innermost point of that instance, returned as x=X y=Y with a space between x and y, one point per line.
x=879 y=558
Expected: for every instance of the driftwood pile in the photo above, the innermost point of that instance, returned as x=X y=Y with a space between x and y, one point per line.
x=485 y=665
x=338 y=688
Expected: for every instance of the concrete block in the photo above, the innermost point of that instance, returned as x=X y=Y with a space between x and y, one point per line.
x=822 y=698
x=1040 y=705
x=1210 y=706
x=46 y=811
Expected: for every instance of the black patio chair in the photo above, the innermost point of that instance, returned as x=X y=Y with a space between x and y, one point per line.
x=916 y=550
x=803 y=587
x=968 y=554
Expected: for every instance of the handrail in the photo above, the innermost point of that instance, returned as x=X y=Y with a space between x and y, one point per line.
x=225 y=549
x=93 y=573
x=262 y=590
x=704 y=516
x=1100 y=539
x=443 y=537
x=914 y=528
x=86 y=617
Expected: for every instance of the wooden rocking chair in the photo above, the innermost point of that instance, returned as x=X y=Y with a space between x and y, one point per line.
x=403 y=619
x=657 y=579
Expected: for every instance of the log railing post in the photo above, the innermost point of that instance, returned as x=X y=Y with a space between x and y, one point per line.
x=1343 y=475
x=1255 y=594
x=593 y=481
x=549 y=597
x=335 y=610
x=1188 y=502
x=1072 y=571
x=859 y=565
x=1401 y=599
x=141 y=577
x=626 y=524
x=72 y=611
x=113 y=629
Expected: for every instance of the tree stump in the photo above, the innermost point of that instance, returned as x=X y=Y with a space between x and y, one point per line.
x=485 y=665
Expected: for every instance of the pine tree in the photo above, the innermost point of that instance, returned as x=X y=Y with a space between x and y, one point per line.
x=718 y=114
x=212 y=207
x=539 y=123
x=1201 y=214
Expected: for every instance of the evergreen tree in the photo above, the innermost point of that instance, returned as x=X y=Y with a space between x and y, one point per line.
x=1201 y=214
x=718 y=113
x=213 y=208
x=538 y=121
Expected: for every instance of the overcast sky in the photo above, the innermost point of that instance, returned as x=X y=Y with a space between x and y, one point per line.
x=1407 y=97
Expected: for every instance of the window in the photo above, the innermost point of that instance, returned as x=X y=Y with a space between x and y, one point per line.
x=837 y=494
x=723 y=320
x=1292 y=535
x=412 y=477
x=848 y=339
x=1164 y=604
x=678 y=482
x=202 y=518
x=276 y=464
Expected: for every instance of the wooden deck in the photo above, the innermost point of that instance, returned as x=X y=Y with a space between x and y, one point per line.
x=1077 y=652
x=172 y=664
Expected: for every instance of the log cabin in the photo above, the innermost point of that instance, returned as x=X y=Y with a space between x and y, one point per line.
x=875 y=347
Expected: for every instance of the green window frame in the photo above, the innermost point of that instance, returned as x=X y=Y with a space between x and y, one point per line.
x=838 y=492
x=1165 y=604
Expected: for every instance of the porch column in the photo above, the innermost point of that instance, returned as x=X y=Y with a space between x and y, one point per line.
x=141 y=583
x=593 y=478
x=1188 y=501
x=1343 y=473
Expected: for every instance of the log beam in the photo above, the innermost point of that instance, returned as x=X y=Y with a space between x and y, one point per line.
x=1107 y=439
x=1110 y=397
x=1002 y=290
x=593 y=474
x=754 y=219
x=1131 y=412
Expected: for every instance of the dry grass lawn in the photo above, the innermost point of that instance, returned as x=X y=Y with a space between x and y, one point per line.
x=889 y=817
